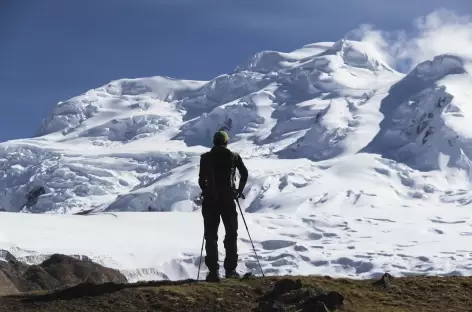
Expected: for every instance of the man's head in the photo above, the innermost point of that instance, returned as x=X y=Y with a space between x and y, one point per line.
x=220 y=138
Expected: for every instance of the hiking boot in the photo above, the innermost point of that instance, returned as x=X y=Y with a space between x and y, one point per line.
x=232 y=274
x=213 y=277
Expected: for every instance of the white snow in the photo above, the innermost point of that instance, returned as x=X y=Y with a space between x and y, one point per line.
x=334 y=240
x=355 y=169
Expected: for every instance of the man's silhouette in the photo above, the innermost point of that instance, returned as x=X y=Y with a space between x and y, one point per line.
x=217 y=181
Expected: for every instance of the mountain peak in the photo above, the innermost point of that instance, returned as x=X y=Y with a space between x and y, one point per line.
x=351 y=53
x=358 y=54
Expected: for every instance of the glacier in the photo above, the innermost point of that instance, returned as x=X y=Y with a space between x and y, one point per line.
x=347 y=159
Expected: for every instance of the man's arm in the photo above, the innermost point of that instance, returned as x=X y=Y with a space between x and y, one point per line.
x=243 y=172
x=202 y=179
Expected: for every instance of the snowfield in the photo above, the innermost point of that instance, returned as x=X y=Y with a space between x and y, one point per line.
x=354 y=169
x=340 y=241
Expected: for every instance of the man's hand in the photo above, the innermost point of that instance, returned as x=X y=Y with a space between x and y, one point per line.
x=238 y=194
x=198 y=200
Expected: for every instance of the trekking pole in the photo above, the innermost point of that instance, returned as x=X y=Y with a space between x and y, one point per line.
x=247 y=229
x=201 y=255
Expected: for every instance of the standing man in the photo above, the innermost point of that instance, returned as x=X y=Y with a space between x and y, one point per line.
x=217 y=181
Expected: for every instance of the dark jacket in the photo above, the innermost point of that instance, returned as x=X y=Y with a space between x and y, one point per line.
x=217 y=172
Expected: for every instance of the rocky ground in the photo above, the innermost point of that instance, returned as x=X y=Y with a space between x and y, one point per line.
x=270 y=294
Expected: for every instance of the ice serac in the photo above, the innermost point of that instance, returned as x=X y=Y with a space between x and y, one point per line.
x=328 y=123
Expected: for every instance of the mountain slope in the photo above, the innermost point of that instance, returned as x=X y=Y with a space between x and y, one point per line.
x=339 y=147
x=134 y=144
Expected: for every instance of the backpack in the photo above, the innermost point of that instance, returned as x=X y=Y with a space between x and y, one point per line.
x=220 y=172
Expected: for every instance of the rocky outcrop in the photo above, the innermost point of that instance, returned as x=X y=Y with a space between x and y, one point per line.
x=291 y=295
x=57 y=271
x=385 y=282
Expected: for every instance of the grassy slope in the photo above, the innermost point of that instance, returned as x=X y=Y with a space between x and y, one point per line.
x=412 y=294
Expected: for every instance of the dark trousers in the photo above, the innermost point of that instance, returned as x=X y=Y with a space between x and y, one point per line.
x=212 y=210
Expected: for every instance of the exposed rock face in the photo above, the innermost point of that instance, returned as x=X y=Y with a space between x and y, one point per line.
x=56 y=272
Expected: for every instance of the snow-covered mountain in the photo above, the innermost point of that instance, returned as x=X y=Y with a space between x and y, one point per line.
x=342 y=150
x=315 y=125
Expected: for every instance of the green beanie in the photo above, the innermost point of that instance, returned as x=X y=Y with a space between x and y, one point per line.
x=220 y=138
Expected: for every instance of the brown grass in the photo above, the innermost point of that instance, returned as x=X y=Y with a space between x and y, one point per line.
x=412 y=294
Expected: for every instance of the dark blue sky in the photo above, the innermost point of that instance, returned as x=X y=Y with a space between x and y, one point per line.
x=51 y=50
